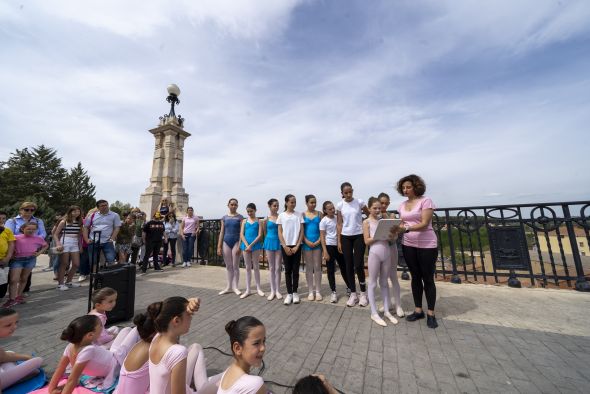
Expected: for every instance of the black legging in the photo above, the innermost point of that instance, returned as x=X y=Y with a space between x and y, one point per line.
x=335 y=256
x=422 y=264
x=353 y=249
x=292 y=269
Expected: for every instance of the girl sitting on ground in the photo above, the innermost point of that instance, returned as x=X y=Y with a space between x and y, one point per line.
x=10 y=372
x=172 y=367
x=99 y=365
x=104 y=300
x=134 y=377
x=247 y=337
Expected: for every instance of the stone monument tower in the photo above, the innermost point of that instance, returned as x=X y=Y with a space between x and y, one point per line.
x=167 y=166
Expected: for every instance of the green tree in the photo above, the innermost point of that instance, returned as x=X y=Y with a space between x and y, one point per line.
x=37 y=174
x=120 y=207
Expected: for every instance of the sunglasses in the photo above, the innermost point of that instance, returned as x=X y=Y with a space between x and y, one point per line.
x=29 y=209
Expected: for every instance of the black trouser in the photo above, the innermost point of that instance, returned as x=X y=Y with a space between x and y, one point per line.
x=422 y=264
x=3 y=289
x=134 y=253
x=353 y=249
x=292 y=269
x=335 y=256
x=153 y=248
x=172 y=243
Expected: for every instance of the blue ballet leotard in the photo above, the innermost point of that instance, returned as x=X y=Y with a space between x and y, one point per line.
x=250 y=233
x=231 y=225
x=271 y=241
x=311 y=229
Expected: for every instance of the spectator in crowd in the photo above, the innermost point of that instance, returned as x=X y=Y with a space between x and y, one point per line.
x=171 y=229
x=125 y=237
x=52 y=252
x=84 y=255
x=107 y=223
x=153 y=233
x=166 y=207
x=26 y=211
x=137 y=241
x=66 y=237
x=189 y=228
x=6 y=251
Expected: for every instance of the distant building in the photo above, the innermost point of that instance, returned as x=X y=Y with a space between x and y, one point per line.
x=554 y=240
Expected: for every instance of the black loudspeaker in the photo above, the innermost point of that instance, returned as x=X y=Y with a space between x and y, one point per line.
x=120 y=277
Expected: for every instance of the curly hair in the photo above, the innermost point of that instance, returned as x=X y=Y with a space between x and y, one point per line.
x=417 y=183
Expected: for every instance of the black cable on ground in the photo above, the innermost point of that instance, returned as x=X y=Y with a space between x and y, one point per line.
x=262 y=370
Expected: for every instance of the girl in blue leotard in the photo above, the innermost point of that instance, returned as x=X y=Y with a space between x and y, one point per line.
x=272 y=247
x=251 y=234
x=312 y=248
x=228 y=246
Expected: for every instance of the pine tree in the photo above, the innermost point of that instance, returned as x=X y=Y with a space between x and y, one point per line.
x=78 y=190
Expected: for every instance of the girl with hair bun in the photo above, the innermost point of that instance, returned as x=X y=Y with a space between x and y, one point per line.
x=290 y=225
x=172 y=367
x=247 y=337
x=251 y=234
x=101 y=366
x=312 y=248
x=272 y=247
x=331 y=255
x=228 y=246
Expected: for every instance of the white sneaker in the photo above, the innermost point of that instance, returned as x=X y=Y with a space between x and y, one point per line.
x=295 y=298
x=310 y=297
x=352 y=300
x=279 y=295
x=188 y=263
x=288 y=299
x=271 y=296
x=184 y=265
x=70 y=284
x=363 y=301
x=318 y=296
x=334 y=298
x=391 y=318
x=377 y=319
x=62 y=287
x=82 y=278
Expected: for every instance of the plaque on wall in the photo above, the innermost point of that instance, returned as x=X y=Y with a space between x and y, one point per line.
x=508 y=247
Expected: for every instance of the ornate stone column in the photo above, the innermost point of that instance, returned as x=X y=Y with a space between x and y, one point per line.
x=167 y=166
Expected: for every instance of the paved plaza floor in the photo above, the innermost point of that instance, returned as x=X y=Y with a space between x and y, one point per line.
x=490 y=338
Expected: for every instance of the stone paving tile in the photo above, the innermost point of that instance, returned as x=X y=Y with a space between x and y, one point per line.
x=470 y=355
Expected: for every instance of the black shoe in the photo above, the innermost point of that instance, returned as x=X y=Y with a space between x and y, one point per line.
x=431 y=321
x=158 y=269
x=415 y=316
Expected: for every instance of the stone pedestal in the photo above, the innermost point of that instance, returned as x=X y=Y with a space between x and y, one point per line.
x=167 y=169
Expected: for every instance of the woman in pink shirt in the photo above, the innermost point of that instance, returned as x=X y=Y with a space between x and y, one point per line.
x=27 y=247
x=419 y=244
x=189 y=228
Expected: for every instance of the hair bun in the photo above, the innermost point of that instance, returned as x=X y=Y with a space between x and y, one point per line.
x=139 y=319
x=229 y=327
x=67 y=333
x=154 y=309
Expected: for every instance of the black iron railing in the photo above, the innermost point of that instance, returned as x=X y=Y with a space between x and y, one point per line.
x=544 y=244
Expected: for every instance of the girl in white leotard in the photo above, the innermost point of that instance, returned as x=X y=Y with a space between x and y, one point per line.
x=247 y=336
x=379 y=263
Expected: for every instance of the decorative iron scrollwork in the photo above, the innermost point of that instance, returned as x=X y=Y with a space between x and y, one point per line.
x=543 y=222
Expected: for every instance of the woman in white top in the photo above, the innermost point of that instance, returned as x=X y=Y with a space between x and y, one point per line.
x=290 y=225
x=351 y=243
x=329 y=238
x=247 y=337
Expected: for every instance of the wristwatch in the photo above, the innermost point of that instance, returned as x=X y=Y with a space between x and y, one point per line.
x=407 y=229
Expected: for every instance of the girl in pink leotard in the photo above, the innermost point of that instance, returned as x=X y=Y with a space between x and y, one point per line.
x=104 y=300
x=172 y=367
x=379 y=263
x=247 y=337
x=85 y=358
x=10 y=372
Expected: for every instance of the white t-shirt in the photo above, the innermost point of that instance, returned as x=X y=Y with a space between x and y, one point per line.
x=291 y=224
x=329 y=226
x=352 y=216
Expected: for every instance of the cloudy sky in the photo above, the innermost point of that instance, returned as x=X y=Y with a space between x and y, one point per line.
x=488 y=100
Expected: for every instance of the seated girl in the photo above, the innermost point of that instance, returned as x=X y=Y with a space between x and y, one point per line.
x=82 y=357
x=10 y=372
x=172 y=367
x=247 y=337
x=134 y=377
x=104 y=300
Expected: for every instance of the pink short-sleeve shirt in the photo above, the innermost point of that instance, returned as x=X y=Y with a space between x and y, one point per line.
x=425 y=238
